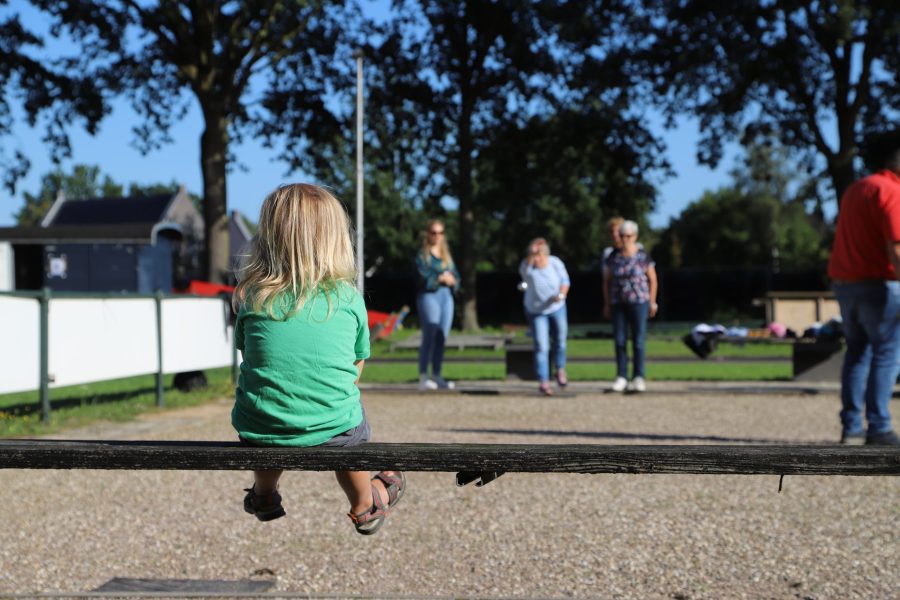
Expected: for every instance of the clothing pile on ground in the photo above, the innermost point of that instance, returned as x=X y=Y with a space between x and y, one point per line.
x=704 y=339
x=830 y=331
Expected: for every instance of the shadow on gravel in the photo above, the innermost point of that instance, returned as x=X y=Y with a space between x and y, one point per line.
x=759 y=389
x=618 y=435
x=30 y=408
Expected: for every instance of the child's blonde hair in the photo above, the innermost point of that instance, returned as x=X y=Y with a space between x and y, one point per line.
x=302 y=246
x=443 y=247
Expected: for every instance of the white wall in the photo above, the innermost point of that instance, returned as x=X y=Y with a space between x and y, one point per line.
x=7 y=268
x=93 y=339
x=99 y=339
x=20 y=349
x=196 y=334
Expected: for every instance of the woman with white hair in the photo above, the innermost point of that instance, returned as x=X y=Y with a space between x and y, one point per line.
x=629 y=295
x=546 y=287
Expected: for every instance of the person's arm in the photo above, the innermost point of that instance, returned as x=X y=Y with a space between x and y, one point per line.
x=893 y=252
x=362 y=347
x=651 y=279
x=564 y=282
x=453 y=280
x=239 y=334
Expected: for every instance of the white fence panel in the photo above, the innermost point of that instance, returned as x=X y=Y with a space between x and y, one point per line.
x=98 y=339
x=196 y=334
x=20 y=352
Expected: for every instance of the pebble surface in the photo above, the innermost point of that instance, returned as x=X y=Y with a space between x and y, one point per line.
x=521 y=536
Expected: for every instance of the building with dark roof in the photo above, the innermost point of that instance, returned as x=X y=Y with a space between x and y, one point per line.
x=138 y=244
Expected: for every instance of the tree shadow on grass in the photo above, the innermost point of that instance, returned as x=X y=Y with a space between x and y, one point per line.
x=29 y=408
x=653 y=437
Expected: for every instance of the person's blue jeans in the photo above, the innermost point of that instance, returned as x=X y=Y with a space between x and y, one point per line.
x=871 y=316
x=630 y=317
x=435 y=317
x=549 y=333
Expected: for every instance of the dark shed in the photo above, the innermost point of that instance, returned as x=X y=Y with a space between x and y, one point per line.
x=137 y=244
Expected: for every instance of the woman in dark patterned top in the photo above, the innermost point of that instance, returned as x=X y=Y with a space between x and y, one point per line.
x=437 y=279
x=629 y=294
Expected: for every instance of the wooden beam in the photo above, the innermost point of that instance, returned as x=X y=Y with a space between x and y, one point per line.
x=522 y=458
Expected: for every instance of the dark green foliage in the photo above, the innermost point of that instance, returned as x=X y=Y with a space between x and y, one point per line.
x=165 y=55
x=801 y=70
x=759 y=221
x=54 y=93
x=562 y=177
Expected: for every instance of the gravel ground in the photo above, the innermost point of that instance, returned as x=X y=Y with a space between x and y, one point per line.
x=522 y=536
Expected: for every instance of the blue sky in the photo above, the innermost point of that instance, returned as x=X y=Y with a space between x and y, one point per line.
x=112 y=150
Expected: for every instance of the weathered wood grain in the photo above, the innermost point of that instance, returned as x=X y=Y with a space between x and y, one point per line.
x=510 y=458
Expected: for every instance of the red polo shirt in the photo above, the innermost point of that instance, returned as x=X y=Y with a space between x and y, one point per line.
x=868 y=219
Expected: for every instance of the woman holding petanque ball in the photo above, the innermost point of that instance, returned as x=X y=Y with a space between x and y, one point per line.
x=546 y=285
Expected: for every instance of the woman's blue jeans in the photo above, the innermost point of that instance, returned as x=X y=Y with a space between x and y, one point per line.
x=871 y=318
x=633 y=317
x=549 y=333
x=435 y=317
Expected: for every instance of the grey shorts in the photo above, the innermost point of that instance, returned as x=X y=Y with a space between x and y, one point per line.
x=352 y=437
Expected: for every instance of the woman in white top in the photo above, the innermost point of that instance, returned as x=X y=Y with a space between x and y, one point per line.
x=547 y=285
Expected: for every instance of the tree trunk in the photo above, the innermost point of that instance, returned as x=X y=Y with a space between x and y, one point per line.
x=213 y=162
x=842 y=174
x=467 y=226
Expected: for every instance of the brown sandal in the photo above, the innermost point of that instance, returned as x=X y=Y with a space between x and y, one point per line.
x=371 y=521
x=394 y=485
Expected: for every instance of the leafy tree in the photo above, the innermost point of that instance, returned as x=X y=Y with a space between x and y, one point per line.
x=798 y=69
x=458 y=75
x=562 y=177
x=244 y=63
x=758 y=221
x=403 y=182
x=471 y=59
x=51 y=92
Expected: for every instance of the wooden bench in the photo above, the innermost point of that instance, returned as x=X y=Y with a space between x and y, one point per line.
x=469 y=461
x=459 y=342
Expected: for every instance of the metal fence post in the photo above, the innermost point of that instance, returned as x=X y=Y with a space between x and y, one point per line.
x=44 y=302
x=160 y=395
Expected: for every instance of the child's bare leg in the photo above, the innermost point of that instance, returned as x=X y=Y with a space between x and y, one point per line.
x=358 y=487
x=265 y=482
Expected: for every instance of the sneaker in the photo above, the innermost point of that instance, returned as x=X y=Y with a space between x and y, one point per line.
x=443 y=384
x=853 y=438
x=265 y=507
x=620 y=384
x=885 y=438
x=426 y=384
x=638 y=384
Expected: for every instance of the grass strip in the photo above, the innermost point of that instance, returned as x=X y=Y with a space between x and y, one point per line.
x=602 y=347
x=114 y=400
x=687 y=371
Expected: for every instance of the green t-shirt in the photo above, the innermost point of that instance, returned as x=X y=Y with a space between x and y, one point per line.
x=297 y=385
